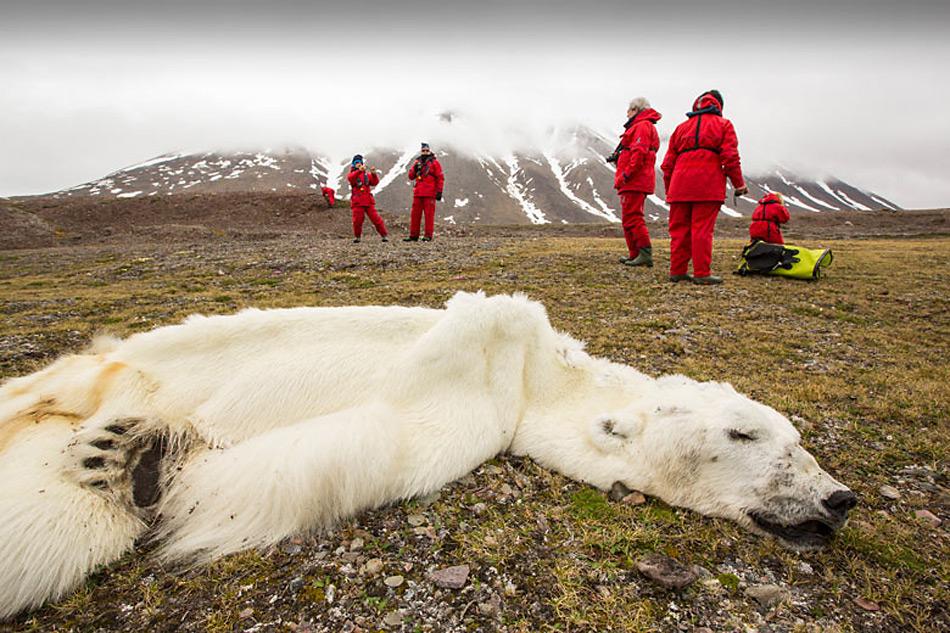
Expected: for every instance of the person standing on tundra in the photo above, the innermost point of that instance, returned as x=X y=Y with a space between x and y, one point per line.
x=426 y=174
x=702 y=153
x=362 y=180
x=635 y=178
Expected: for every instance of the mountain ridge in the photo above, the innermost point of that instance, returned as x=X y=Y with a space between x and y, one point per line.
x=568 y=181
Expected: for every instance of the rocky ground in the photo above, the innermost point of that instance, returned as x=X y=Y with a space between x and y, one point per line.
x=857 y=360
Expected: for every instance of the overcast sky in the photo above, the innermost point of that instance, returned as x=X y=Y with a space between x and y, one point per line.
x=856 y=88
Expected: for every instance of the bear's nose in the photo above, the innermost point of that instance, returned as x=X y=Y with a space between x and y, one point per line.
x=840 y=502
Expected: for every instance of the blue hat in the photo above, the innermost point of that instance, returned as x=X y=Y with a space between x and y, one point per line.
x=357 y=159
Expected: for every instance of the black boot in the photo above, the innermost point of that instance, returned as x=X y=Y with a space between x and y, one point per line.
x=643 y=258
x=410 y=239
x=708 y=280
x=427 y=239
x=678 y=278
x=356 y=240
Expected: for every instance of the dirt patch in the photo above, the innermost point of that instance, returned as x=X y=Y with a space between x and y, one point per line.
x=256 y=215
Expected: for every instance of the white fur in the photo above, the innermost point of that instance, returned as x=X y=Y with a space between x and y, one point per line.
x=283 y=421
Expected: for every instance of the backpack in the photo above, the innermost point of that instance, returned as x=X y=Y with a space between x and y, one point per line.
x=762 y=258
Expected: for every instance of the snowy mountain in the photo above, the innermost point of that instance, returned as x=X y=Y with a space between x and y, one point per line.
x=566 y=181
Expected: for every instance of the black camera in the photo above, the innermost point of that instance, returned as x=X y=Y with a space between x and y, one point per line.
x=614 y=157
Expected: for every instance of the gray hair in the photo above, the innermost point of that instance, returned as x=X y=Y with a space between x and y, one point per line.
x=640 y=103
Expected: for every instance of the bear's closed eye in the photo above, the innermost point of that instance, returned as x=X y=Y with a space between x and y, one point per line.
x=741 y=436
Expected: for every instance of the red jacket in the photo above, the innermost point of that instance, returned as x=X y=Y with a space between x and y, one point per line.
x=428 y=176
x=703 y=151
x=637 y=161
x=329 y=194
x=362 y=183
x=766 y=220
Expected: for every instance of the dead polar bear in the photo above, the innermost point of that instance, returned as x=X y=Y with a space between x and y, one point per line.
x=231 y=432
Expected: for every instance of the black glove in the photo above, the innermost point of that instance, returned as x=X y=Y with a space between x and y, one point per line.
x=438 y=196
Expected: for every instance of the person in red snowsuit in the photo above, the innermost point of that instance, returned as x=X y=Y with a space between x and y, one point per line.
x=768 y=218
x=362 y=202
x=703 y=152
x=635 y=178
x=329 y=195
x=426 y=173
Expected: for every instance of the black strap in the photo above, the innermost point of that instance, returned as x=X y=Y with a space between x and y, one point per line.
x=696 y=145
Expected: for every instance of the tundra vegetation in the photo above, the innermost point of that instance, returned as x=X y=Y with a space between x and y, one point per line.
x=859 y=361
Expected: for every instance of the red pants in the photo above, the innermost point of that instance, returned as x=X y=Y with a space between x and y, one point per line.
x=634 y=228
x=420 y=204
x=377 y=221
x=691 y=236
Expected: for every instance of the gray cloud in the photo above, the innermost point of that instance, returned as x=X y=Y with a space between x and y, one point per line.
x=850 y=88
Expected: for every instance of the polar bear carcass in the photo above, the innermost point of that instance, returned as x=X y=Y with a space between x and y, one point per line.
x=230 y=432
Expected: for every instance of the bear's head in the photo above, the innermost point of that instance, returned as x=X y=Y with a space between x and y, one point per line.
x=706 y=447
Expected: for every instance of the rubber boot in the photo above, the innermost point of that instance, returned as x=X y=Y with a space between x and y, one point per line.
x=643 y=258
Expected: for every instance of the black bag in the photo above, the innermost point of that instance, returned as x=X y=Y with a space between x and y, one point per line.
x=762 y=258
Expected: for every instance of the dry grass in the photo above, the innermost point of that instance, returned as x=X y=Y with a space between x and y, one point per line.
x=860 y=357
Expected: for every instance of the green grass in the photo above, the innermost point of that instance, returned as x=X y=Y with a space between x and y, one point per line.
x=861 y=357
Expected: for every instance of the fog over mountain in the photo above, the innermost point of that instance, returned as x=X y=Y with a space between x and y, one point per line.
x=849 y=89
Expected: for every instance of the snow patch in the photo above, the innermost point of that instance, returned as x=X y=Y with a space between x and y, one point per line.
x=518 y=193
x=460 y=203
x=131 y=194
x=559 y=175
x=658 y=201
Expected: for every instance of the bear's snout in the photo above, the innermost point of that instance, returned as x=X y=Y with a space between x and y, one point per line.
x=839 y=503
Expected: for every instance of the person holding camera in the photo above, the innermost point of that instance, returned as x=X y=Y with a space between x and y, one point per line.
x=635 y=178
x=362 y=179
x=703 y=152
x=426 y=174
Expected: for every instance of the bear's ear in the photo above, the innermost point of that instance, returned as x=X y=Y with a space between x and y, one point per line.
x=610 y=432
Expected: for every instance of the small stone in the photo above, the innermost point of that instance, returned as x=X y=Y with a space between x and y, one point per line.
x=506 y=490
x=429 y=499
x=480 y=508
x=805 y=568
x=291 y=548
x=635 y=498
x=415 y=520
x=393 y=618
x=373 y=566
x=712 y=584
x=618 y=491
x=890 y=492
x=510 y=589
x=246 y=613
x=296 y=584
x=427 y=531
x=665 y=571
x=394 y=581
x=867 y=605
x=350 y=557
x=356 y=545
x=701 y=572
x=491 y=469
x=490 y=607
x=450 y=577
x=926 y=515
x=769 y=596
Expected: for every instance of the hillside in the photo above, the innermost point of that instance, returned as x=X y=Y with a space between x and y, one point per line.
x=565 y=181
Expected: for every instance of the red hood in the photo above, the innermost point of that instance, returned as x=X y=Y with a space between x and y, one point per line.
x=769 y=198
x=706 y=100
x=649 y=114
